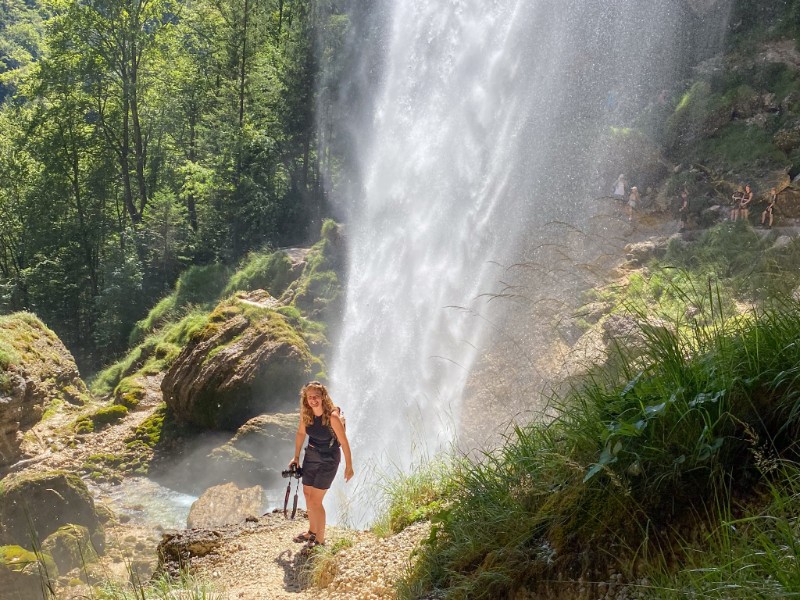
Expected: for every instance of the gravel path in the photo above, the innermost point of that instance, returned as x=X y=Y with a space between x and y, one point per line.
x=259 y=561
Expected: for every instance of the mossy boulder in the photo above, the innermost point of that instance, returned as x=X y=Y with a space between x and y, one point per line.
x=25 y=574
x=36 y=370
x=256 y=454
x=35 y=505
x=70 y=547
x=246 y=361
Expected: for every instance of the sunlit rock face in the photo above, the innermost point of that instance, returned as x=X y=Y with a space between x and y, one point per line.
x=247 y=361
x=42 y=371
x=225 y=504
x=487 y=121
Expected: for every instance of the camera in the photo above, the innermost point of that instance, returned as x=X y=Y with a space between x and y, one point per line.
x=294 y=470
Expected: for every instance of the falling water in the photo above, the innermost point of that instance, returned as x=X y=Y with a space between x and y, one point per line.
x=488 y=119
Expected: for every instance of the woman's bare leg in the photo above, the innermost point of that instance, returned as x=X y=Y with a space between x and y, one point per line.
x=316 y=512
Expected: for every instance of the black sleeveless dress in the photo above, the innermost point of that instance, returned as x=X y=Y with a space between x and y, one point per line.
x=321 y=461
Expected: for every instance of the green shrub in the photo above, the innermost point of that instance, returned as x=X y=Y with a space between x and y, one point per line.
x=415 y=497
x=739 y=146
x=199 y=286
x=268 y=271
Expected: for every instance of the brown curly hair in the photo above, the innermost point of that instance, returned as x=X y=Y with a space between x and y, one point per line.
x=327 y=404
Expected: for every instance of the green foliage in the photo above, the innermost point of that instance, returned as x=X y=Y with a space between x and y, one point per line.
x=199 y=286
x=154 y=354
x=739 y=146
x=750 y=556
x=162 y=587
x=418 y=496
x=143 y=139
x=270 y=271
x=679 y=420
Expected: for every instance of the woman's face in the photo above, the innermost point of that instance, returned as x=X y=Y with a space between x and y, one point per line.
x=314 y=398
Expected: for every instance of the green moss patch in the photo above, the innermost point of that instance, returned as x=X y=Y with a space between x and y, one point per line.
x=100 y=418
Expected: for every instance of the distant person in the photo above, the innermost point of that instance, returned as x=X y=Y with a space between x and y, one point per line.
x=744 y=205
x=683 y=211
x=619 y=188
x=633 y=201
x=736 y=201
x=321 y=421
x=769 y=211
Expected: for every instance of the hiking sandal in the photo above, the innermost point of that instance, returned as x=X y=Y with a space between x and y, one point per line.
x=313 y=543
x=303 y=537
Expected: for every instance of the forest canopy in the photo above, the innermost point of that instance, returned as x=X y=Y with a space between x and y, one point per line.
x=139 y=137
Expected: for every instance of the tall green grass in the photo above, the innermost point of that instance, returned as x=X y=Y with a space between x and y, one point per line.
x=637 y=454
x=752 y=556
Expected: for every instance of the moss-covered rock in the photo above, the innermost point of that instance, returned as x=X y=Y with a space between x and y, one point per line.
x=33 y=506
x=248 y=360
x=70 y=546
x=25 y=574
x=100 y=418
x=36 y=369
x=318 y=292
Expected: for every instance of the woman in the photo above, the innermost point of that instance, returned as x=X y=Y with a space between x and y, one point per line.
x=321 y=421
x=768 y=212
x=633 y=202
x=736 y=202
x=744 y=205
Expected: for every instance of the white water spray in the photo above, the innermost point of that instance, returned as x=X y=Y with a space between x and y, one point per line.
x=485 y=125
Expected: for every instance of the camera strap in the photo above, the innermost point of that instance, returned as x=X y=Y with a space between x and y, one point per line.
x=286 y=499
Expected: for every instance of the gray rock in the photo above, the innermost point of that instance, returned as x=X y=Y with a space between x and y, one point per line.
x=225 y=505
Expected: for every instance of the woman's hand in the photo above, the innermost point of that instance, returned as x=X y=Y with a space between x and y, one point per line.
x=348 y=473
x=295 y=461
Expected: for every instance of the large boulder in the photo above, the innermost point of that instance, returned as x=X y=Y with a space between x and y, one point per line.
x=248 y=360
x=225 y=504
x=35 y=505
x=258 y=452
x=35 y=370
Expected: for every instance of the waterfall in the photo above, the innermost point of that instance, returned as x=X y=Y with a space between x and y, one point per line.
x=488 y=118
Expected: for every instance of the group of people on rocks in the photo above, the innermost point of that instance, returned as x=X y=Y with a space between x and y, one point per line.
x=742 y=200
x=741 y=203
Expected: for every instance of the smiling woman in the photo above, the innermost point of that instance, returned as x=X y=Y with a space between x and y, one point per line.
x=322 y=422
